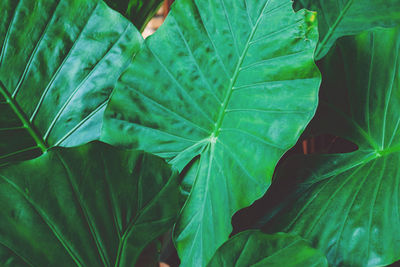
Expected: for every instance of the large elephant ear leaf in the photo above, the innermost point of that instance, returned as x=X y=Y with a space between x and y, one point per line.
x=137 y=11
x=228 y=86
x=256 y=249
x=59 y=61
x=92 y=205
x=349 y=17
x=347 y=204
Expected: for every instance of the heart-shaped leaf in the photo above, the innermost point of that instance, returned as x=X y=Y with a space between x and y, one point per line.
x=256 y=249
x=229 y=85
x=59 y=61
x=349 y=17
x=88 y=206
x=347 y=204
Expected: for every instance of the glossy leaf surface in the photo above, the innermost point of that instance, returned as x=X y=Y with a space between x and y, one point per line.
x=256 y=249
x=342 y=18
x=59 y=61
x=229 y=83
x=347 y=204
x=139 y=12
x=92 y=205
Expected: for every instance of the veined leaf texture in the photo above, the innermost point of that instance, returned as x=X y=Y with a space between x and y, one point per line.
x=346 y=204
x=227 y=86
x=57 y=71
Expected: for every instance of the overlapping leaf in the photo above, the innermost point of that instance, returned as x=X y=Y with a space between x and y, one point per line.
x=59 y=61
x=229 y=85
x=347 y=204
x=137 y=11
x=349 y=17
x=88 y=206
x=256 y=249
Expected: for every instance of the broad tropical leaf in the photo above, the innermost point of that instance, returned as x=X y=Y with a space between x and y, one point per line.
x=229 y=86
x=256 y=249
x=92 y=205
x=137 y=11
x=349 y=17
x=347 y=204
x=59 y=61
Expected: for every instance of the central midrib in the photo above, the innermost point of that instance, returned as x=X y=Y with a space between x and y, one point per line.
x=25 y=122
x=389 y=150
x=229 y=91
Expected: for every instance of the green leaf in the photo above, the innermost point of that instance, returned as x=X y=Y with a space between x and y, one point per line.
x=92 y=205
x=256 y=249
x=349 y=17
x=59 y=61
x=347 y=204
x=137 y=11
x=226 y=85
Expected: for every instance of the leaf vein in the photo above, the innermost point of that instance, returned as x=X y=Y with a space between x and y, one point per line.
x=55 y=75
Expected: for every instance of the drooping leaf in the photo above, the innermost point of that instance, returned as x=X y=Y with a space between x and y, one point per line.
x=349 y=17
x=59 y=61
x=347 y=204
x=256 y=249
x=92 y=205
x=137 y=11
x=230 y=84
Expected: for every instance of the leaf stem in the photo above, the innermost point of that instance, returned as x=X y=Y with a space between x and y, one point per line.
x=18 y=111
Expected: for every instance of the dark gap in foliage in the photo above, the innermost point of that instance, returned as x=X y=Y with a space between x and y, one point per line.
x=396 y=264
x=246 y=218
x=168 y=252
x=146 y=258
x=327 y=144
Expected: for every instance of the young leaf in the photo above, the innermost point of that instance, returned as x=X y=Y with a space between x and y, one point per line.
x=59 y=61
x=230 y=84
x=88 y=206
x=347 y=204
x=137 y=11
x=349 y=17
x=256 y=249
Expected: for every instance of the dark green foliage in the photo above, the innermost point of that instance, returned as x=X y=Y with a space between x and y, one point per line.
x=92 y=205
x=229 y=85
x=346 y=204
x=220 y=92
x=349 y=17
x=57 y=71
x=253 y=248
x=139 y=12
